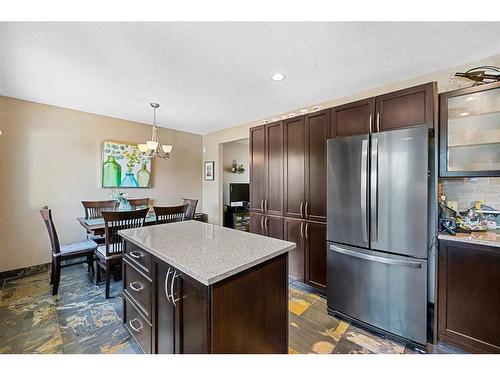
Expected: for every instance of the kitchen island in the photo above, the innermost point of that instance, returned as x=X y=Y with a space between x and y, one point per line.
x=192 y=287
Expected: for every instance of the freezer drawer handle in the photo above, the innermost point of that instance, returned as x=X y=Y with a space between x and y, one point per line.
x=374 y=258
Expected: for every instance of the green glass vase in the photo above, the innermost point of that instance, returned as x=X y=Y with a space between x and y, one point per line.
x=111 y=173
x=143 y=176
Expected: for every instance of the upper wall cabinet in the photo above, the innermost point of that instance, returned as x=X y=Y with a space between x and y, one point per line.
x=352 y=118
x=257 y=168
x=405 y=108
x=469 y=142
x=266 y=168
x=399 y=109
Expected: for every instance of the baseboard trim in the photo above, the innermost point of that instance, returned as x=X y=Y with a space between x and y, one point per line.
x=25 y=271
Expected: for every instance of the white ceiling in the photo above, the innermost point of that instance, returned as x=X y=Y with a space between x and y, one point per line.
x=210 y=76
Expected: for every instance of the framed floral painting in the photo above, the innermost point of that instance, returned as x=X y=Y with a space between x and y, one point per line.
x=124 y=166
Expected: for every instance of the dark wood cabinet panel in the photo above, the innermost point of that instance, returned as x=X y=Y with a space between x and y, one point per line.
x=404 y=108
x=257 y=168
x=165 y=312
x=315 y=234
x=317 y=131
x=250 y=310
x=274 y=169
x=468 y=296
x=294 y=164
x=274 y=227
x=294 y=232
x=352 y=118
x=257 y=224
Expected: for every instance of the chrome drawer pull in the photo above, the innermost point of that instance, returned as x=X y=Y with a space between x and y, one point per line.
x=134 y=328
x=166 y=284
x=136 y=254
x=172 y=288
x=136 y=289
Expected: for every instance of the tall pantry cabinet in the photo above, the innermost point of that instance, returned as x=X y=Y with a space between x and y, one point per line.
x=299 y=179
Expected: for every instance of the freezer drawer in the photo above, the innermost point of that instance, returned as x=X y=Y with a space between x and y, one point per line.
x=384 y=290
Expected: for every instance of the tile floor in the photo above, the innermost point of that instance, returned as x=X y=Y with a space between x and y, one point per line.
x=81 y=320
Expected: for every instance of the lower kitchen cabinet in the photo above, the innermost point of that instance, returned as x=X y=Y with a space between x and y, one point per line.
x=294 y=232
x=307 y=262
x=315 y=253
x=468 y=296
x=265 y=225
x=172 y=313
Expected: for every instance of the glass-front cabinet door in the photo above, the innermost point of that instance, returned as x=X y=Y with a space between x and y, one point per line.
x=470 y=132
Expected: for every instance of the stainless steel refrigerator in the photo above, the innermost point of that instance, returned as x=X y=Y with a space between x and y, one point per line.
x=377 y=230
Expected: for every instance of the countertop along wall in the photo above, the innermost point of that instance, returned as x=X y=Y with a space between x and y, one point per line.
x=212 y=142
x=51 y=155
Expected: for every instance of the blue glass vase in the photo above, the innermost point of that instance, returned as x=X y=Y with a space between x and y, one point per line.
x=129 y=180
x=125 y=206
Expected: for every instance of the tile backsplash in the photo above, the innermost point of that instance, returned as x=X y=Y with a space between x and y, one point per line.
x=465 y=191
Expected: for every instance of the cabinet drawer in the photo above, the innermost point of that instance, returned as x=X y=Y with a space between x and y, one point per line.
x=137 y=325
x=137 y=287
x=138 y=257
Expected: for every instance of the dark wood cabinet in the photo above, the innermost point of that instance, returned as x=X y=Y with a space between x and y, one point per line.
x=294 y=165
x=271 y=226
x=257 y=168
x=266 y=168
x=294 y=232
x=274 y=227
x=352 y=118
x=468 y=296
x=404 y=108
x=257 y=223
x=317 y=132
x=273 y=203
x=315 y=253
x=190 y=317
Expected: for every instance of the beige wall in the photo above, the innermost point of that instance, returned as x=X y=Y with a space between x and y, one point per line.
x=51 y=155
x=239 y=152
x=212 y=190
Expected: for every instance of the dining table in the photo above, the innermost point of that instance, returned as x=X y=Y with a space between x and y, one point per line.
x=96 y=226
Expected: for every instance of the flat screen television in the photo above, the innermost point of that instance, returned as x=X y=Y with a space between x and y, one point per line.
x=239 y=193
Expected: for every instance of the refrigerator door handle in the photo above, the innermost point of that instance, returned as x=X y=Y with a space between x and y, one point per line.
x=364 y=162
x=374 y=258
x=374 y=191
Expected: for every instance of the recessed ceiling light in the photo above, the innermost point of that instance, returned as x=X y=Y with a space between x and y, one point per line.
x=464 y=114
x=278 y=77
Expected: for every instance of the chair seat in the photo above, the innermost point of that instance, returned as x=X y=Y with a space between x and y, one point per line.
x=101 y=252
x=97 y=239
x=78 y=247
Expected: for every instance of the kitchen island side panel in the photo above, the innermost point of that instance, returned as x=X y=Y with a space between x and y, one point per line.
x=249 y=311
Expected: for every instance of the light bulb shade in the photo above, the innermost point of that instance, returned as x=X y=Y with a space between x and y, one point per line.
x=152 y=145
x=143 y=147
x=167 y=148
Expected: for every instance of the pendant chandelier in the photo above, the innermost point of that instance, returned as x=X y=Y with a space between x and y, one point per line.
x=154 y=147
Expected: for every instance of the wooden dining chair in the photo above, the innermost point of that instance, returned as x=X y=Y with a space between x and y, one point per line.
x=93 y=210
x=84 y=249
x=137 y=203
x=191 y=209
x=170 y=214
x=111 y=252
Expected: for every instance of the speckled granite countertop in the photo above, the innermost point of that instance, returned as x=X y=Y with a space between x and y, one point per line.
x=490 y=238
x=206 y=252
